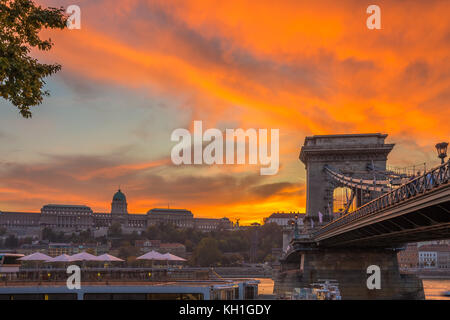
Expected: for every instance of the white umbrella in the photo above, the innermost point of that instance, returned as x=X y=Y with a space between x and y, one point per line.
x=37 y=256
x=108 y=257
x=63 y=258
x=172 y=257
x=152 y=255
x=84 y=256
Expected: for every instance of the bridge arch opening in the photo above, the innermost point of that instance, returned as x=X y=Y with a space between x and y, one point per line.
x=343 y=197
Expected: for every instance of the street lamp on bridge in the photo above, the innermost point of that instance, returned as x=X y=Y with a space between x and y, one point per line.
x=442 y=150
x=295 y=224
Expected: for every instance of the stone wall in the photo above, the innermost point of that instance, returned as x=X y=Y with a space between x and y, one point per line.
x=349 y=268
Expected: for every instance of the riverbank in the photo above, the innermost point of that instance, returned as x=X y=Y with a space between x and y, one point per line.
x=428 y=274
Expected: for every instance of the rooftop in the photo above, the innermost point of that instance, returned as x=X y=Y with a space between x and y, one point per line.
x=172 y=245
x=282 y=215
x=435 y=248
x=170 y=211
x=15 y=212
x=67 y=206
x=119 y=196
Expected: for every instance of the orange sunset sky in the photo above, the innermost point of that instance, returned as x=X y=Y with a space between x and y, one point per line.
x=138 y=69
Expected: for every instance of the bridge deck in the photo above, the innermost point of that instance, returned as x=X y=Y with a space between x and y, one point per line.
x=416 y=211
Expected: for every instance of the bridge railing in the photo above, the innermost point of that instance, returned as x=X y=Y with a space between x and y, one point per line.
x=420 y=185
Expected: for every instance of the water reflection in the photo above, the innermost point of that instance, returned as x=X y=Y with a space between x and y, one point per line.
x=433 y=288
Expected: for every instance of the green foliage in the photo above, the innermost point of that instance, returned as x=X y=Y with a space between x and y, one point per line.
x=127 y=250
x=21 y=76
x=11 y=242
x=232 y=260
x=207 y=253
x=84 y=236
x=269 y=236
x=115 y=230
x=52 y=236
x=170 y=233
x=228 y=242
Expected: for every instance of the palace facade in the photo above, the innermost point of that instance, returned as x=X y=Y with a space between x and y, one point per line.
x=76 y=218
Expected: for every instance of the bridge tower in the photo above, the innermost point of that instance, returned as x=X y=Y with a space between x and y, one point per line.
x=356 y=161
x=354 y=155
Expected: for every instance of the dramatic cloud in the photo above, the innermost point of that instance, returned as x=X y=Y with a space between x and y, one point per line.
x=138 y=69
x=91 y=180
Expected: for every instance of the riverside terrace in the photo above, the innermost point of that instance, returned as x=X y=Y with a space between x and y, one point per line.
x=127 y=283
x=110 y=274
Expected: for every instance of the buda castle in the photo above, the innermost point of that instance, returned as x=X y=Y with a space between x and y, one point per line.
x=75 y=218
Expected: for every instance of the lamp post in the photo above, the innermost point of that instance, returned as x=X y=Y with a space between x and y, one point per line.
x=441 y=149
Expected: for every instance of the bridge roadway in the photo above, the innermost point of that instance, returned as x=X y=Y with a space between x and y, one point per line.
x=415 y=211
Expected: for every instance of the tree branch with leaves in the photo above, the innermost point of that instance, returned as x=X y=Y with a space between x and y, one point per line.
x=22 y=76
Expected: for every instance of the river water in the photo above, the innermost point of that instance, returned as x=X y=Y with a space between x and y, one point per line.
x=433 y=288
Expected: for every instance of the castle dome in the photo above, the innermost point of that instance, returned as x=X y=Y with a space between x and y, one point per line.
x=119 y=196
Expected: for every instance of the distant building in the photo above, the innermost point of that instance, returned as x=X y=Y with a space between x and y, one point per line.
x=35 y=246
x=179 y=217
x=76 y=218
x=54 y=249
x=207 y=224
x=21 y=223
x=282 y=219
x=145 y=246
x=409 y=258
x=57 y=249
x=434 y=256
x=66 y=217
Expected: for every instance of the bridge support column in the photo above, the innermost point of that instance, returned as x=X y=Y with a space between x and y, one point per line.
x=348 y=266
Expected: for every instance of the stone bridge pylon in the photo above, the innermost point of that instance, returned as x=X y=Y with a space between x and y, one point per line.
x=359 y=156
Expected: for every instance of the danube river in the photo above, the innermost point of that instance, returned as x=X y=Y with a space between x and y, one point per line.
x=433 y=288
